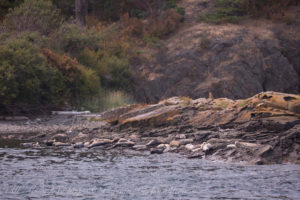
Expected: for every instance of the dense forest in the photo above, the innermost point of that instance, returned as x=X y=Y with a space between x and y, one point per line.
x=77 y=54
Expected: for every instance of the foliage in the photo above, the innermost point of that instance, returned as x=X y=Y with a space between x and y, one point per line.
x=71 y=39
x=233 y=11
x=26 y=80
x=5 y=5
x=32 y=78
x=81 y=83
x=49 y=62
x=110 y=60
x=33 y=15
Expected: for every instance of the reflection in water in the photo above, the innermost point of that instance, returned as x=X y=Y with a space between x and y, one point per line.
x=49 y=173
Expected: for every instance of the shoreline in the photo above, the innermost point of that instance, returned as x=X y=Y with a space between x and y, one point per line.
x=264 y=129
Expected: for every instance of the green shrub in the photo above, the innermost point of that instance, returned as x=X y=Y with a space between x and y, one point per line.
x=111 y=66
x=26 y=80
x=119 y=76
x=110 y=59
x=32 y=78
x=81 y=83
x=33 y=15
x=72 y=39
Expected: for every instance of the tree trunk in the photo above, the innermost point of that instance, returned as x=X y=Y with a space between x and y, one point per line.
x=81 y=10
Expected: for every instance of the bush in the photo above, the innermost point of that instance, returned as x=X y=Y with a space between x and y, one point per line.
x=32 y=78
x=26 y=80
x=111 y=62
x=69 y=38
x=33 y=15
x=106 y=52
x=81 y=83
x=72 y=39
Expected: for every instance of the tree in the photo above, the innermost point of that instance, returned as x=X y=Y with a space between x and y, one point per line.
x=81 y=11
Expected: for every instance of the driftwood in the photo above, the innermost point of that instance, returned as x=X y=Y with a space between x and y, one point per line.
x=70 y=112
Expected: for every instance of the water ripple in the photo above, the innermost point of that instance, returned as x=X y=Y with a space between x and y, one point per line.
x=67 y=174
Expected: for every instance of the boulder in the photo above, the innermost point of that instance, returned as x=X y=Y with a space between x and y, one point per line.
x=189 y=147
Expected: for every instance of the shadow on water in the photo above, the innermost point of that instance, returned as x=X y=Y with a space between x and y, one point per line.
x=10 y=143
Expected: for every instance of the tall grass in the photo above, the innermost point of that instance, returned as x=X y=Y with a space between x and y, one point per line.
x=108 y=100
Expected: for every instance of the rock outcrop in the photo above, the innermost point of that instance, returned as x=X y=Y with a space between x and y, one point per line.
x=263 y=129
x=232 y=61
x=259 y=130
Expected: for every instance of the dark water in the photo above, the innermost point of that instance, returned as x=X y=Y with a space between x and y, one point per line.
x=68 y=174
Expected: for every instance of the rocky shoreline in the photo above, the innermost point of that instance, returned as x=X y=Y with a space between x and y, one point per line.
x=264 y=129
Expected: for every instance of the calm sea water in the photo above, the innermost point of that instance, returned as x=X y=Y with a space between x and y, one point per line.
x=48 y=173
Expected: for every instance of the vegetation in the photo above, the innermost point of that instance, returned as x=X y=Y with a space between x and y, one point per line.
x=48 y=61
x=233 y=11
x=33 y=15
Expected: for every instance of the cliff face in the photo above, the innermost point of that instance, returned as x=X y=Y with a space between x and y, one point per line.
x=233 y=61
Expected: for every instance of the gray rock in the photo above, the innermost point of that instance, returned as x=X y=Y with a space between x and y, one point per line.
x=78 y=145
x=225 y=68
x=139 y=147
x=153 y=142
x=165 y=147
x=60 y=138
x=156 y=150
x=61 y=144
x=265 y=150
x=231 y=146
x=185 y=141
x=124 y=143
x=206 y=146
x=189 y=147
x=180 y=136
x=99 y=142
